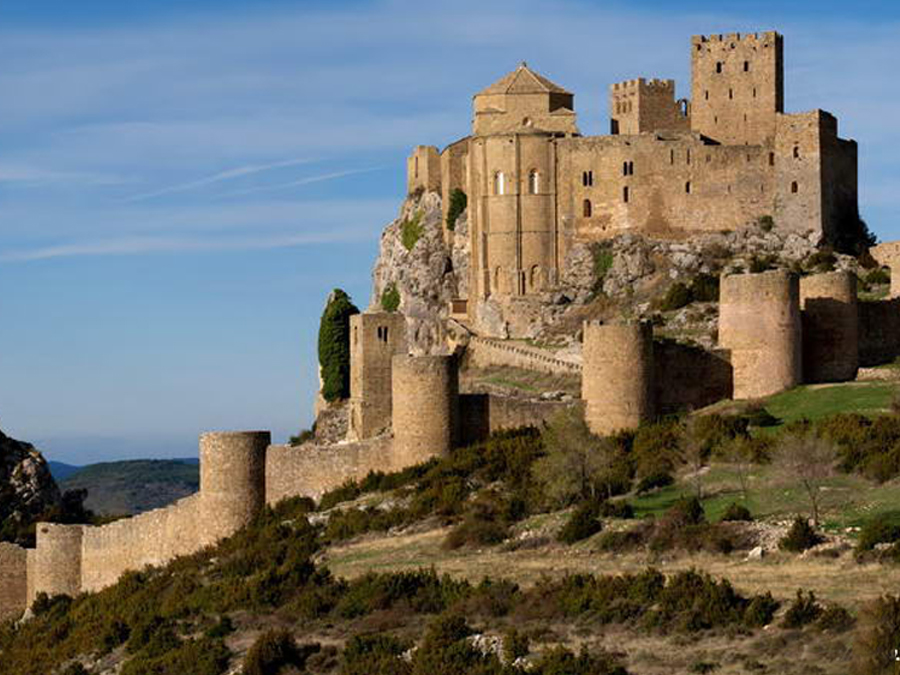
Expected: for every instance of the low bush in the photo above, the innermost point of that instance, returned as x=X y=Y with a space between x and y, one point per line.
x=761 y=611
x=762 y=263
x=390 y=298
x=515 y=645
x=822 y=260
x=654 y=481
x=835 y=619
x=877 y=636
x=377 y=654
x=800 y=537
x=737 y=512
x=705 y=288
x=411 y=230
x=458 y=203
x=679 y=295
x=610 y=509
x=304 y=436
x=581 y=524
x=878 y=277
x=766 y=223
x=803 y=610
x=881 y=529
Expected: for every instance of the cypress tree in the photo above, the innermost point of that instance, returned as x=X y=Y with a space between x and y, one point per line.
x=334 y=345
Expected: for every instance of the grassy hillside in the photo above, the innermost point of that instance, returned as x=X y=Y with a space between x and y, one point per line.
x=501 y=560
x=124 y=488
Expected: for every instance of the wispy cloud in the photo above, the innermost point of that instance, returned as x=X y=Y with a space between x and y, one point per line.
x=305 y=181
x=230 y=174
x=32 y=176
x=145 y=245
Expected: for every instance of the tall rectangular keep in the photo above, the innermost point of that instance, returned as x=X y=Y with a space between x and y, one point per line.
x=374 y=340
x=737 y=86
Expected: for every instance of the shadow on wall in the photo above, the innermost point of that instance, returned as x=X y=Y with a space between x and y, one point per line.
x=688 y=377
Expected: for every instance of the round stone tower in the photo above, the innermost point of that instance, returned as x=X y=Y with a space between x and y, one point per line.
x=830 y=327
x=759 y=321
x=617 y=380
x=57 y=559
x=425 y=412
x=232 y=481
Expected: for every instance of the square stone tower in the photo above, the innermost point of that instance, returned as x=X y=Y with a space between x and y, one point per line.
x=374 y=339
x=737 y=86
x=640 y=106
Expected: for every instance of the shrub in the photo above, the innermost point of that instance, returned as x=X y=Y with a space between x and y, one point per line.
x=705 y=288
x=582 y=524
x=390 y=298
x=836 y=619
x=622 y=510
x=347 y=491
x=76 y=669
x=878 y=276
x=411 y=230
x=603 y=261
x=304 y=436
x=879 y=530
x=762 y=263
x=877 y=636
x=476 y=530
x=334 y=345
x=655 y=449
x=822 y=260
x=678 y=296
x=737 y=512
x=374 y=655
x=660 y=479
x=515 y=645
x=686 y=511
x=760 y=611
x=766 y=223
x=803 y=610
x=273 y=650
x=800 y=537
x=458 y=203
x=560 y=661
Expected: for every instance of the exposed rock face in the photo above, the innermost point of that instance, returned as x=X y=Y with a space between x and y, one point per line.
x=26 y=487
x=421 y=269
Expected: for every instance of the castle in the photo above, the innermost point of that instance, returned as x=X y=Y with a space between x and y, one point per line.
x=528 y=173
x=668 y=168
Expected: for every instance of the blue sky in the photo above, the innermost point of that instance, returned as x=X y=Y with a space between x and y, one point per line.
x=182 y=182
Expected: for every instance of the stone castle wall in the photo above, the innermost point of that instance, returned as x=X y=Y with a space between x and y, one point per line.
x=310 y=470
x=759 y=322
x=689 y=378
x=830 y=327
x=486 y=352
x=879 y=332
x=483 y=414
x=13 y=581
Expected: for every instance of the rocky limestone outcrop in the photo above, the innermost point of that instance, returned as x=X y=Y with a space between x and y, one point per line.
x=414 y=258
x=26 y=487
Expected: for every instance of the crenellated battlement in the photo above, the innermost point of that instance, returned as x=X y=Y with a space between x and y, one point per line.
x=641 y=83
x=746 y=38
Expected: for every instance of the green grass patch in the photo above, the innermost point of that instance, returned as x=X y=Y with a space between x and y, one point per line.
x=815 y=402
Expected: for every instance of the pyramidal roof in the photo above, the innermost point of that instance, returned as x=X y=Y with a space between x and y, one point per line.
x=523 y=80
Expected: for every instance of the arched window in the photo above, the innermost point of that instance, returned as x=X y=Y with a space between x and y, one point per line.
x=687 y=187
x=771 y=159
x=499 y=183
x=688 y=156
x=731 y=93
x=718 y=66
x=796 y=152
x=671 y=156
x=746 y=66
x=625 y=194
x=794 y=187
x=754 y=92
x=587 y=178
x=624 y=168
x=533 y=182
x=706 y=94
x=586 y=208
x=630 y=168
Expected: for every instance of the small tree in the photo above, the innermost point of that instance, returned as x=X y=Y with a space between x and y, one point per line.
x=458 y=203
x=740 y=454
x=695 y=451
x=334 y=345
x=809 y=459
x=576 y=460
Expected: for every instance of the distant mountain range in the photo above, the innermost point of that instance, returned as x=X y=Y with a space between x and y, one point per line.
x=129 y=487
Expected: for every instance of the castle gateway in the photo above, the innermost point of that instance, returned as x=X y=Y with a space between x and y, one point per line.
x=669 y=168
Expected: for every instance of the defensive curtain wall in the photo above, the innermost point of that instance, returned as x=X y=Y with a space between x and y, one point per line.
x=775 y=331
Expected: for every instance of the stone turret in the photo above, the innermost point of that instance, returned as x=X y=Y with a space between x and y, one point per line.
x=57 y=560
x=617 y=382
x=830 y=327
x=232 y=480
x=759 y=321
x=426 y=400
